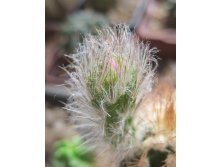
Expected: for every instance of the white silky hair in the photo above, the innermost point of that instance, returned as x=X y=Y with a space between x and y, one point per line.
x=88 y=120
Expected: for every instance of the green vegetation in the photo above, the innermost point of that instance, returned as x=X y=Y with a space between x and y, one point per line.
x=71 y=153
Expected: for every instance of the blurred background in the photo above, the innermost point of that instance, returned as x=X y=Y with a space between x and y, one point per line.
x=66 y=24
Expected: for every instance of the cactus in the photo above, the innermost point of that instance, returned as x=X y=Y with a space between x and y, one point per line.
x=109 y=79
x=77 y=25
x=112 y=73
